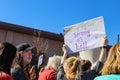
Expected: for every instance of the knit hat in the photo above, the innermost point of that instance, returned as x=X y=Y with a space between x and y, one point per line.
x=23 y=46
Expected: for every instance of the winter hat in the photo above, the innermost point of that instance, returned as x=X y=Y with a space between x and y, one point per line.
x=23 y=46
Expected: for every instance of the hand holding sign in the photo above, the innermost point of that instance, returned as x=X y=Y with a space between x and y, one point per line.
x=84 y=35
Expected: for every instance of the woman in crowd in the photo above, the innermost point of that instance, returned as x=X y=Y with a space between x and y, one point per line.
x=7 y=54
x=111 y=68
x=70 y=68
x=51 y=69
x=24 y=56
x=64 y=72
x=87 y=72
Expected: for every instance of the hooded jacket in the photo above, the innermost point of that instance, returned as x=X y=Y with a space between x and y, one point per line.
x=6 y=57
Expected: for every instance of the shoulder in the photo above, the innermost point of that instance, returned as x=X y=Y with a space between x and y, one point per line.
x=48 y=74
x=18 y=74
x=5 y=76
x=16 y=69
x=108 y=77
x=60 y=69
x=61 y=73
x=99 y=78
x=97 y=66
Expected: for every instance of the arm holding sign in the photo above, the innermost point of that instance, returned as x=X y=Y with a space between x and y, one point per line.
x=103 y=48
x=99 y=64
x=65 y=51
x=61 y=73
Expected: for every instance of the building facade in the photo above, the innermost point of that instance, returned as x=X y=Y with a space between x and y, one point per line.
x=48 y=43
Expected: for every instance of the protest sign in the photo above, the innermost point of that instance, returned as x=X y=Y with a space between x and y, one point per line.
x=40 y=60
x=85 y=35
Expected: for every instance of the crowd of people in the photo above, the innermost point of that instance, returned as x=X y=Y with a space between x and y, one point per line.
x=15 y=64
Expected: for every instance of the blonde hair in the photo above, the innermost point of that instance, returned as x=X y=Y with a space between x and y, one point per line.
x=53 y=62
x=112 y=64
x=74 y=67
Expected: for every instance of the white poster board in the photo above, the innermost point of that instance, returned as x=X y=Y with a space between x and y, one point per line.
x=85 y=35
x=40 y=60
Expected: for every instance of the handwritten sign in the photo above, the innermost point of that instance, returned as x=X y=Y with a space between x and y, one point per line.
x=85 y=35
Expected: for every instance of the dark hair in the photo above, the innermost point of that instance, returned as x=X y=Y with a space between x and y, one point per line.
x=8 y=52
x=85 y=65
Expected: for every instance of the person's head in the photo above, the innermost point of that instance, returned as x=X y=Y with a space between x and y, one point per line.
x=86 y=65
x=71 y=67
x=112 y=64
x=7 y=54
x=53 y=62
x=24 y=53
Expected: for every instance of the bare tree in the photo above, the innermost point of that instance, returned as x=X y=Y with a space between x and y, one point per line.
x=41 y=44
